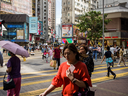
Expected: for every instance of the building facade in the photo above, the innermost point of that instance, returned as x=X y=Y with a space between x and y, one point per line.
x=16 y=16
x=71 y=8
x=117 y=30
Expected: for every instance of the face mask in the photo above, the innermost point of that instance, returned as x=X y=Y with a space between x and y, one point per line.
x=9 y=54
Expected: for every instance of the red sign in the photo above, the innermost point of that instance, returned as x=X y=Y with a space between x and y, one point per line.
x=107 y=37
x=114 y=36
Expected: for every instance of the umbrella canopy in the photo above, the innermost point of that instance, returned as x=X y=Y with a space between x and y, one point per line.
x=14 y=48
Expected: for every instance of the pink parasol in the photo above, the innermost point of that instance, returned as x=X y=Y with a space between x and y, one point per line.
x=14 y=48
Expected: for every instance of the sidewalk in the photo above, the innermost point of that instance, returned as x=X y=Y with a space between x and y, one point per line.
x=117 y=87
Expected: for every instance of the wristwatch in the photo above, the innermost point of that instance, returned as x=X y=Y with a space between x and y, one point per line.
x=74 y=80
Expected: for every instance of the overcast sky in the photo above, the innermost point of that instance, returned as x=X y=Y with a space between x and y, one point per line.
x=58 y=11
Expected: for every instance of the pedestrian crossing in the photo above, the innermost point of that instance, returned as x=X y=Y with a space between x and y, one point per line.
x=34 y=83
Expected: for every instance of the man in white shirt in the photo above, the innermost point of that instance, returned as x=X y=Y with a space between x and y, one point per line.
x=112 y=49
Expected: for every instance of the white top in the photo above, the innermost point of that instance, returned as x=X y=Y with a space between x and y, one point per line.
x=112 y=49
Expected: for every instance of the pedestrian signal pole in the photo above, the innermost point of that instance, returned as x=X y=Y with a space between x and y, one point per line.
x=103 y=33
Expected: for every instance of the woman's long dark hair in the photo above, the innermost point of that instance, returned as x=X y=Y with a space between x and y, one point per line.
x=72 y=48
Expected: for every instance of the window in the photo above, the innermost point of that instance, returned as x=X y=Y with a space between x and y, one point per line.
x=44 y=2
x=81 y=0
x=44 y=6
x=68 y=14
x=69 y=2
x=81 y=5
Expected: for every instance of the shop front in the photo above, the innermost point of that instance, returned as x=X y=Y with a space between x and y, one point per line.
x=17 y=26
x=115 y=38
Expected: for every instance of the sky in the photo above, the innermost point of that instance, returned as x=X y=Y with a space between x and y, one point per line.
x=58 y=11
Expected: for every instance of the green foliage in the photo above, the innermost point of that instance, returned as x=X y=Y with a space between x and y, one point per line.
x=92 y=22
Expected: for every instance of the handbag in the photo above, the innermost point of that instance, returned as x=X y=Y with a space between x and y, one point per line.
x=86 y=92
x=8 y=84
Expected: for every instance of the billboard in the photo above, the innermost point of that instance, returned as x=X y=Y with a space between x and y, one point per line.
x=67 y=30
x=68 y=40
x=17 y=7
x=33 y=25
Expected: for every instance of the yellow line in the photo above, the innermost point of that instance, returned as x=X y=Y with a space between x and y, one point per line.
x=56 y=73
x=112 y=70
x=96 y=80
x=35 y=72
x=100 y=79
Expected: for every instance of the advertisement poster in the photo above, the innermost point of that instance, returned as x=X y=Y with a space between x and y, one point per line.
x=33 y=25
x=20 y=34
x=75 y=30
x=40 y=28
x=66 y=30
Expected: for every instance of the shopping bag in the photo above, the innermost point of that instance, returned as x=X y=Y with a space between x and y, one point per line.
x=53 y=63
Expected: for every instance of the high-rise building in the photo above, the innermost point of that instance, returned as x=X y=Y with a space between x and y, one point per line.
x=45 y=11
x=72 y=8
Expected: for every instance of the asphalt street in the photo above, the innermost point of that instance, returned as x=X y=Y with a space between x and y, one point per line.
x=37 y=76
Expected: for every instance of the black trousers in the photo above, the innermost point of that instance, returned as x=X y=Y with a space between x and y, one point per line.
x=58 y=61
x=110 y=71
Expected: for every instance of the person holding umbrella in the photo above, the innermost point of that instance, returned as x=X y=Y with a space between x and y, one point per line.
x=13 y=70
x=13 y=65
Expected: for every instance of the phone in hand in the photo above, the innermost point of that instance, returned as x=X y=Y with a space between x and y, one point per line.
x=72 y=68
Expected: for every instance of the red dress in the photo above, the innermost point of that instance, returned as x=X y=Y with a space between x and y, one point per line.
x=80 y=73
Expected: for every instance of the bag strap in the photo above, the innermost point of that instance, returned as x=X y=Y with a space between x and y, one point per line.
x=4 y=76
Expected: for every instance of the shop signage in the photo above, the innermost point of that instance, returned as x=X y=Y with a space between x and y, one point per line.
x=15 y=26
x=12 y=33
x=33 y=25
x=114 y=36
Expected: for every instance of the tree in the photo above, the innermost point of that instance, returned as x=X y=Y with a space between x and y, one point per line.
x=92 y=22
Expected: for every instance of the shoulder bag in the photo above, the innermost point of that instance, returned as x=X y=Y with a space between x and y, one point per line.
x=8 y=84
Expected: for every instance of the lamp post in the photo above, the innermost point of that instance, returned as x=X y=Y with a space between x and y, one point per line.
x=103 y=33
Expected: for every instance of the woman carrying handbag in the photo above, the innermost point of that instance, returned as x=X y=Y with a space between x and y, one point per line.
x=13 y=70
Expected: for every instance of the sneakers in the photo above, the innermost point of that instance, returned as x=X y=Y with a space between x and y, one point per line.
x=114 y=77
x=118 y=65
x=125 y=65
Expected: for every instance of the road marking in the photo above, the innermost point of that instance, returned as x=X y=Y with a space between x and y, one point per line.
x=35 y=72
x=96 y=80
x=112 y=70
x=56 y=73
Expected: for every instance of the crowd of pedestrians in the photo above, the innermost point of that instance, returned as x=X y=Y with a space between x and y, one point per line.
x=73 y=74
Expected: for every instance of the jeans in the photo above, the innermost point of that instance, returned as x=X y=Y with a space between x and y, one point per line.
x=110 y=71
x=95 y=55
